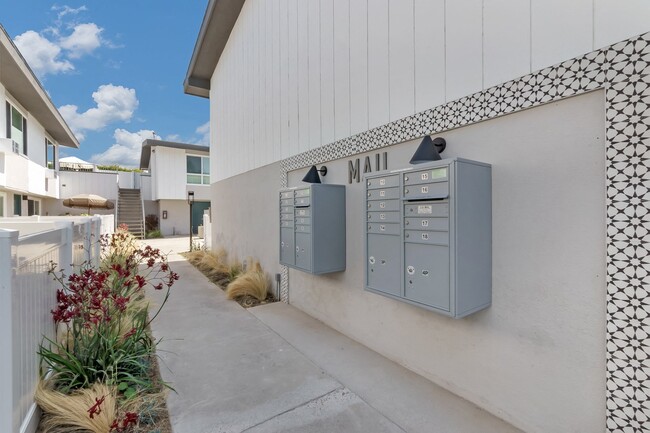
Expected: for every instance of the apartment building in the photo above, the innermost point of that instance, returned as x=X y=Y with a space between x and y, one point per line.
x=31 y=132
x=548 y=96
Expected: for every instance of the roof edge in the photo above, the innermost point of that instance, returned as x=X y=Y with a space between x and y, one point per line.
x=219 y=20
x=20 y=61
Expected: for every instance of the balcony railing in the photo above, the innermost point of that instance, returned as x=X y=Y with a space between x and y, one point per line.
x=19 y=173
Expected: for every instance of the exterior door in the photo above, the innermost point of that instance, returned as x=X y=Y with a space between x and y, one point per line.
x=197 y=214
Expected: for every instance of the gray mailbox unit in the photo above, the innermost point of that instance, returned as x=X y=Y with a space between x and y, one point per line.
x=312 y=228
x=429 y=235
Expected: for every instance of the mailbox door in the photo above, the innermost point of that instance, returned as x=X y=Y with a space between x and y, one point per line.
x=287 y=245
x=384 y=263
x=426 y=274
x=303 y=250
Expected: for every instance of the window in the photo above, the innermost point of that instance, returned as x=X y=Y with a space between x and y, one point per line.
x=198 y=170
x=17 y=128
x=50 y=154
x=2 y=205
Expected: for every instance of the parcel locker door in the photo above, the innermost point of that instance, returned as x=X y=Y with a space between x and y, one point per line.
x=426 y=274
x=383 y=263
x=287 y=252
x=303 y=250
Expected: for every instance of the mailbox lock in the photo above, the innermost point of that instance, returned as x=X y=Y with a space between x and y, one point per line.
x=406 y=178
x=282 y=244
x=371 y=260
x=406 y=235
x=297 y=249
x=406 y=191
x=368 y=194
x=407 y=223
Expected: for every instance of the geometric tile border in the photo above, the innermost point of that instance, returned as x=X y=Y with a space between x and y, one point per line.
x=623 y=71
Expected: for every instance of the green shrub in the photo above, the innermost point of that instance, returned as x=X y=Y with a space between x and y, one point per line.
x=154 y=234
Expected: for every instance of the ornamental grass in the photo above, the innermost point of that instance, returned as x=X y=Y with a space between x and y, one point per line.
x=215 y=265
x=253 y=282
x=98 y=374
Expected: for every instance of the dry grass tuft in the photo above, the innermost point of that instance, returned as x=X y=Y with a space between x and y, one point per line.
x=150 y=407
x=68 y=413
x=254 y=282
x=215 y=265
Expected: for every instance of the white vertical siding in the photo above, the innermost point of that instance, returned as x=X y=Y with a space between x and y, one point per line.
x=297 y=74
x=303 y=74
x=560 y=30
x=464 y=47
x=378 y=63
x=401 y=48
x=341 y=69
x=358 y=66
x=429 y=45
x=506 y=49
x=327 y=70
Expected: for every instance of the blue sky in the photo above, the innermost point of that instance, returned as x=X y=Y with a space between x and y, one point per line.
x=114 y=69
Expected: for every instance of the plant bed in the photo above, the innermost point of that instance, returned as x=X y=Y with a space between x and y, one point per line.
x=100 y=374
x=248 y=287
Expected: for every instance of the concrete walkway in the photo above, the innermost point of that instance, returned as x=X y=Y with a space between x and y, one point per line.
x=274 y=369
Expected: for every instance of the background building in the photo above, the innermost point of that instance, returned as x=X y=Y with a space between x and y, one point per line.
x=552 y=94
x=31 y=132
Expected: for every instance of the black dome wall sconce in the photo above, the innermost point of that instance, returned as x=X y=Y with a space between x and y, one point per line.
x=429 y=150
x=312 y=175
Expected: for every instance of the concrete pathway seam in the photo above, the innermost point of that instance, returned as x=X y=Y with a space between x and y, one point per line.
x=330 y=375
x=293 y=408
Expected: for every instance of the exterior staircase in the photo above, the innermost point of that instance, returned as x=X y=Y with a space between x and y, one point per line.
x=129 y=211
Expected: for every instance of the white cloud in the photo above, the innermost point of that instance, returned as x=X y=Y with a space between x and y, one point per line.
x=84 y=39
x=204 y=131
x=126 y=149
x=67 y=10
x=42 y=55
x=114 y=103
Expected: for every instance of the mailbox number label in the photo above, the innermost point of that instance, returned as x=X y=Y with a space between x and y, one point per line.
x=425 y=236
x=382 y=193
x=382 y=182
x=424 y=176
x=382 y=205
x=382 y=216
x=425 y=223
x=425 y=209
x=382 y=228
x=425 y=189
x=301 y=212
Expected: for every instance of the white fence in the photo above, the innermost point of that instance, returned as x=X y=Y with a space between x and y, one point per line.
x=27 y=296
x=207 y=230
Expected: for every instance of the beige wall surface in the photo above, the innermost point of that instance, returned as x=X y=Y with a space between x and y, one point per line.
x=536 y=357
x=178 y=217
x=245 y=216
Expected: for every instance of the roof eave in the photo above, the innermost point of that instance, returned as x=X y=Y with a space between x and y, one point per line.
x=23 y=84
x=219 y=20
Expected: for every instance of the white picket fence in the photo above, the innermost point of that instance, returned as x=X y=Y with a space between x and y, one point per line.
x=27 y=296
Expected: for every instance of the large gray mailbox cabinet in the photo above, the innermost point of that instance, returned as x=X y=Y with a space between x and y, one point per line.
x=429 y=235
x=312 y=228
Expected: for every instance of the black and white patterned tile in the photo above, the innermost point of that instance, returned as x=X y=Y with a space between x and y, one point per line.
x=623 y=70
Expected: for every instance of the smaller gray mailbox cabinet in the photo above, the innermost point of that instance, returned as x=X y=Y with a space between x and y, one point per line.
x=429 y=235
x=312 y=228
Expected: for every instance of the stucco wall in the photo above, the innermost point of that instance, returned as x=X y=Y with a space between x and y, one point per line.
x=537 y=356
x=245 y=217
